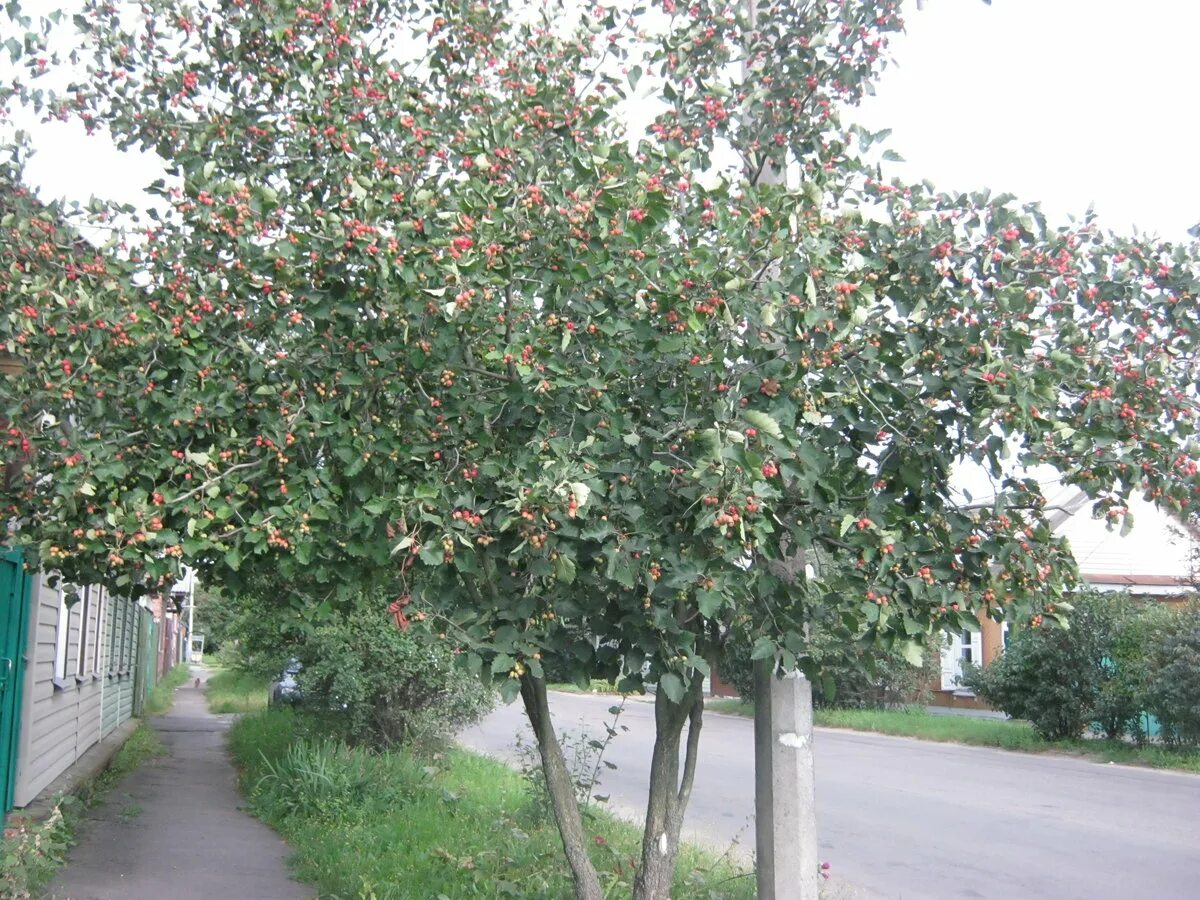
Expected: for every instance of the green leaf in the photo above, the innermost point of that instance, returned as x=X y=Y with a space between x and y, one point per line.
x=913 y=651
x=672 y=685
x=828 y=688
x=763 y=422
x=510 y=688
x=763 y=649
x=710 y=602
x=564 y=569
x=710 y=441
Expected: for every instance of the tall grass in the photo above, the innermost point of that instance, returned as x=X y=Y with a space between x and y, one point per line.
x=234 y=691
x=396 y=825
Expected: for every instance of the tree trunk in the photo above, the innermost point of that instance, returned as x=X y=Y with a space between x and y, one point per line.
x=669 y=792
x=562 y=790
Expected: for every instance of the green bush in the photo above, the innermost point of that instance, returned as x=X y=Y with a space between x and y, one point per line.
x=1094 y=673
x=381 y=686
x=852 y=676
x=1173 y=693
x=31 y=853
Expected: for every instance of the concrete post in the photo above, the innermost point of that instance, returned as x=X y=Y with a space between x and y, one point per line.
x=784 y=799
x=785 y=820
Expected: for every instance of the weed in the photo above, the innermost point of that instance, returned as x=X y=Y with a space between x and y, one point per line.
x=595 y=686
x=30 y=854
x=130 y=811
x=144 y=744
x=584 y=756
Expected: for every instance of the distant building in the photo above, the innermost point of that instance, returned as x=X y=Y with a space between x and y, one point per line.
x=1156 y=560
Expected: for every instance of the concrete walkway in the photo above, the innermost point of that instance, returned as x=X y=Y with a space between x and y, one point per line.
x=173 y=829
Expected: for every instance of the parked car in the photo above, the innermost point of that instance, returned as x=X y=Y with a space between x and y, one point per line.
x=286 y=689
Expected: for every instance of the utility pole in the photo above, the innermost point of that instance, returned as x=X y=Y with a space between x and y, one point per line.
x=191 y=612
x=785 y=815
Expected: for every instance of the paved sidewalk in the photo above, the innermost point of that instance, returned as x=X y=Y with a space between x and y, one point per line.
x=173 y=829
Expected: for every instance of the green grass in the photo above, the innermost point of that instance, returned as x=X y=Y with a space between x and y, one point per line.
x=397 y=825
x=162 y=695
x=596 y=686
x=232 y=691
x=730 y=705
x=1005 y=734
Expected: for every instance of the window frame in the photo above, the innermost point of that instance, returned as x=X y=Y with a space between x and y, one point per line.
x=62 y=633
x=81 y=643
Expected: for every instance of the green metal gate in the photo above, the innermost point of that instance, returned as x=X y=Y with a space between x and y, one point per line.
x=14 y=617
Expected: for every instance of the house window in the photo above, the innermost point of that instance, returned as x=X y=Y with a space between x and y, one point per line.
x=966 y=647
x=958 y=649
x=61 y=634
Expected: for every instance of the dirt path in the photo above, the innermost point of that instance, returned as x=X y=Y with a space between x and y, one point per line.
x=174 y=830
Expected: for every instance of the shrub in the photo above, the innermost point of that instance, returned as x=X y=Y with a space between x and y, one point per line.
x=1063 y=679
x=31 y=853
x=1173 y=691
x=382 y=686
x=860 y=677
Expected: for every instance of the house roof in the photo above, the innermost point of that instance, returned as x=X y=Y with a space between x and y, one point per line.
x=1159 y=554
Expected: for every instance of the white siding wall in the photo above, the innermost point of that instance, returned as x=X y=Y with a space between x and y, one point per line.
x=58 y=721
x=120 y=662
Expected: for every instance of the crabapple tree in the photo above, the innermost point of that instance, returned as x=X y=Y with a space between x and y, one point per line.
x=497 y=302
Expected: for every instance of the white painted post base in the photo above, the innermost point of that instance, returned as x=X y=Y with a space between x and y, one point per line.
x=784 y=803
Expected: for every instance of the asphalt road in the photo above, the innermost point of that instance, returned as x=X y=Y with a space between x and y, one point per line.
x=901 y=818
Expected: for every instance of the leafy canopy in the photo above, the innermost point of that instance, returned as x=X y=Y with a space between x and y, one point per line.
x=514 y=305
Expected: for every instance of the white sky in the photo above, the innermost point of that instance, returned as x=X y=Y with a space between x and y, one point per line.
x=1070 y=102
